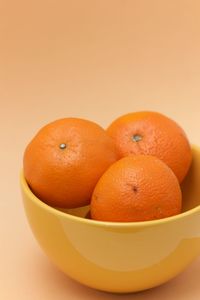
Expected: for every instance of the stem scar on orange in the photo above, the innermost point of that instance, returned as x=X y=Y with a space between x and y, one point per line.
x=65 y=159
x=136 y=188
x=153 y=133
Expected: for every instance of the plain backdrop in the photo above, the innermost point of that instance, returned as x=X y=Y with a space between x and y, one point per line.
x=96 y=60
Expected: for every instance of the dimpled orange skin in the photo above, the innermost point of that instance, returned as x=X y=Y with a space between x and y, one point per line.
x=136 y=188
x=153 y=133
x=65 y=177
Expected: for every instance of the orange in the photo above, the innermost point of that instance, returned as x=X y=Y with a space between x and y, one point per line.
x=152 y=133
x=136 y=188
x=65 y=159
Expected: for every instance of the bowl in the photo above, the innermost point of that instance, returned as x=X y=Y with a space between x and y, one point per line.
x=119 y=257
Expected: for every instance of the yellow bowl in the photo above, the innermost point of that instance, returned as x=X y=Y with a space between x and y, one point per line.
x=119 y=257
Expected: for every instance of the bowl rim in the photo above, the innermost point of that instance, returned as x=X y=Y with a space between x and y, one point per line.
x=26 y=189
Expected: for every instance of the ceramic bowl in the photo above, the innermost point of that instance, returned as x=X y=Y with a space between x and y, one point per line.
x=119 y=257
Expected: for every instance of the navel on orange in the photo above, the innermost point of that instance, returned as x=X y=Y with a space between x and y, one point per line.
x=65 y=159
x=152 y=133
x=136 y=188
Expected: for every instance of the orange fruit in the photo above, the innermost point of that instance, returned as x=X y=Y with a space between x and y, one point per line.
x=154 y=134
x=65 y=159
x=136 y=188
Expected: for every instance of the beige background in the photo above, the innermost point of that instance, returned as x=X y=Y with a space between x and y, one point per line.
x=97 y=60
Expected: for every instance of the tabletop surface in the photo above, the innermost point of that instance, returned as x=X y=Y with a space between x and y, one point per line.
x=96 y=60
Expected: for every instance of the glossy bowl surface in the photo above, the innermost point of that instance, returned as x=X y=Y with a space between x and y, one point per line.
x=119 y=257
